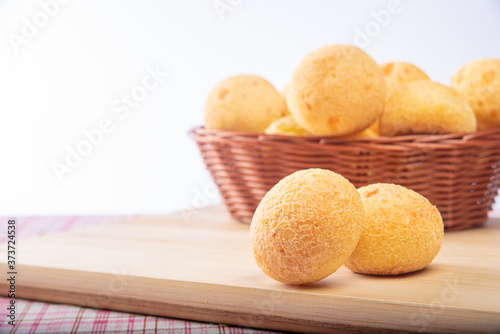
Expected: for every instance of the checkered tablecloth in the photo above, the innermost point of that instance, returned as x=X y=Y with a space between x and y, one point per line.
x=39 y=317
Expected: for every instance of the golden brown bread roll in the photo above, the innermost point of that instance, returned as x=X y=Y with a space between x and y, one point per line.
x=426 y=107
x=306 y=226
x=397 y=74
x=336 y=90
x=403 y=231
x=286 y=126
x=479 y=82
x=243 y=103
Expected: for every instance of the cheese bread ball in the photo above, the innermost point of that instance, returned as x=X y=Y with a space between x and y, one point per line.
x=336 y=90
x=286 y=126
x=367 y=133
x=403 y=231
x=243 y=103
x=426 y=107
x=479 y=82
x=306 y=226
x=397 y=74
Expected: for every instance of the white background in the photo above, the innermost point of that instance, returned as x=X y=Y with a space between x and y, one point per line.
x=64 y=79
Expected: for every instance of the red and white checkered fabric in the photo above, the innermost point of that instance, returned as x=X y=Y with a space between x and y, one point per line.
x=39 y=317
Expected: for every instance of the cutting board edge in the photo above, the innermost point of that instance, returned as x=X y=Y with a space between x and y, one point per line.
x=24 y=268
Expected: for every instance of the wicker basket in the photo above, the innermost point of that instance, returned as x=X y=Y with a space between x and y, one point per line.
x=460 y=174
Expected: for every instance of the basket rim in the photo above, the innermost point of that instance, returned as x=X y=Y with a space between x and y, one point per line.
x=414 y=138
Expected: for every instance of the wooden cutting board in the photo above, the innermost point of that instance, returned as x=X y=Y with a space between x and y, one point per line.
x=197 y=265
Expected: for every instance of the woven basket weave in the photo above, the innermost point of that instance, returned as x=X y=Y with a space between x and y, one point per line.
x=460 y=174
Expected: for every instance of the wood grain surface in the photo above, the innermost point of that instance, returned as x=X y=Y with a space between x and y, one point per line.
x=197 y=265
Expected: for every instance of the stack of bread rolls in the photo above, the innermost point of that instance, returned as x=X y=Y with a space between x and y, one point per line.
x=339 y=90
